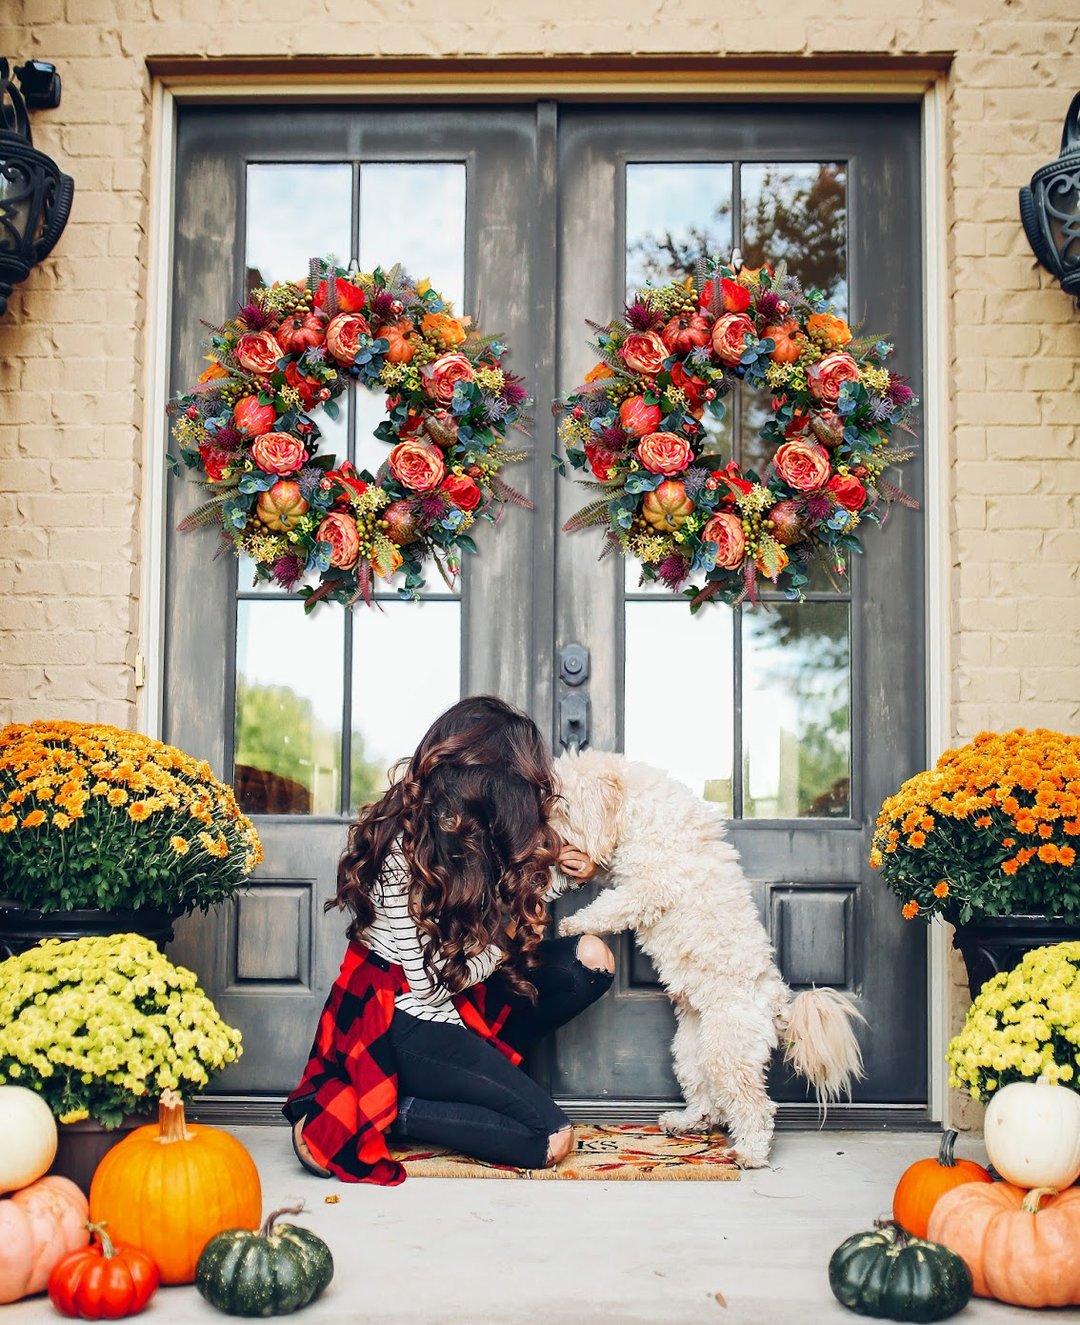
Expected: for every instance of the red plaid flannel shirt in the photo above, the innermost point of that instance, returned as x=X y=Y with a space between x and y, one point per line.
x=348 y=1093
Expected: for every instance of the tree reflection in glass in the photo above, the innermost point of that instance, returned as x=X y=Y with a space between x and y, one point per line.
x=797 y=712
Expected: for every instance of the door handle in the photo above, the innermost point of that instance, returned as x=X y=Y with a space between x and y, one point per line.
x=573 y=701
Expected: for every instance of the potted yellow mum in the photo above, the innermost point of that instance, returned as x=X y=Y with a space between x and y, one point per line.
x=99 y=1027
x=114 y=830
x=988 y=840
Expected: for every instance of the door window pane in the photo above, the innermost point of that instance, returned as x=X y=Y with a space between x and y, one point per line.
x=793 y=212
x=671 y=720
x=676 y=213
x=796 y=212
x=412 y=212
x=289 y=687
x=294 y=213
x=406 y=671
x=796 y=712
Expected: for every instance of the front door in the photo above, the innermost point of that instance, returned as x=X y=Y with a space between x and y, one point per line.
x=796 y=719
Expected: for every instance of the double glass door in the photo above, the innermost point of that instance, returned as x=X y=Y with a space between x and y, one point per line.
x=796 y=719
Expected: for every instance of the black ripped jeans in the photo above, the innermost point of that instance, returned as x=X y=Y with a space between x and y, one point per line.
x=459 y=1091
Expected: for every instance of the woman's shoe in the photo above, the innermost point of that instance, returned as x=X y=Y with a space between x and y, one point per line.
x=305 y=1159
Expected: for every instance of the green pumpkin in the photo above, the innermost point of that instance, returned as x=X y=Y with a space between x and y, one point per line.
x=266 y=1273
x=888 y=1273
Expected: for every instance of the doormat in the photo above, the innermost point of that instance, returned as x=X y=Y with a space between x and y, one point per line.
x=614 y=1153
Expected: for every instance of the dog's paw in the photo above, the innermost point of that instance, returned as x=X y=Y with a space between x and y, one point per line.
x=568 y=928
x=681 y=1122
x=745 y=1159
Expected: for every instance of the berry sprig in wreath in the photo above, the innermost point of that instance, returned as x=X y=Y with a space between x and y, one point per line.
x=250 y=428
x=635 y=425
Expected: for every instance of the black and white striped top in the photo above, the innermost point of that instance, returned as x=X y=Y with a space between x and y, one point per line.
x=394 y=935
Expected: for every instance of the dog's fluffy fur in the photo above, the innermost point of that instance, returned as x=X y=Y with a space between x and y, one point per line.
x=676 y=880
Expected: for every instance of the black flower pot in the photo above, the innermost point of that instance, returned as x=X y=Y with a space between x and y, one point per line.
x=999 y=943
x=22 y=928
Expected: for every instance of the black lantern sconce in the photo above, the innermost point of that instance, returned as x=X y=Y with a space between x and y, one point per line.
x=35 y=196
x=1050 y=208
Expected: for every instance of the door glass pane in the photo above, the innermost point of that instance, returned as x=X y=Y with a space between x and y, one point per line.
x=793 y=212
x=406 y=671
x=296 y=212
x=796 y=712
x=289 y=687
x=676 y=214
x=670 y=722
x=412 y=212
x=796 y=212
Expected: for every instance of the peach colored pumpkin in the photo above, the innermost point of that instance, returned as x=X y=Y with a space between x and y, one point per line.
x=39 y=1226
x=668 y=507
x=788 y=339
x=281 y=506
x=1021 y=1247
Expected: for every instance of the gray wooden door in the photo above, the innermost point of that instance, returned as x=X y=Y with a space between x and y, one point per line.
x=797 y=718
x=534 y=218
x=305 y=715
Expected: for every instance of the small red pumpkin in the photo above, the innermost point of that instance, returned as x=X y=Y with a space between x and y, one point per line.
x=103 y=1281
x=925 y=1181
x=300 y=331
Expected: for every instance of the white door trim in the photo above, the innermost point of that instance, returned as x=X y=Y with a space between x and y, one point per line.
x=167 y=94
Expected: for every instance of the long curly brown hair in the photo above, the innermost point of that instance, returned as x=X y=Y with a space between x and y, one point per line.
x=470 y=812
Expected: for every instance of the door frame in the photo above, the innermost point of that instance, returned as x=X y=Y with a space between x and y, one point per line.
x=923 y=82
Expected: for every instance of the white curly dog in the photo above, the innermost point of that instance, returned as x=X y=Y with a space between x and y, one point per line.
x=676 y=880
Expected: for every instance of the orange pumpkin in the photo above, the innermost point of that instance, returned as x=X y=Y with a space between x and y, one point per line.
x=173 y=1185
x=402 y=341
x=788 y=339
x=667 y=507
x=39 y=1226
x=1021 y=1247
x=926 y=1180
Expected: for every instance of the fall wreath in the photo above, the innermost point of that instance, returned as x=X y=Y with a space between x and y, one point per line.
x=250 y=427
x=635 y=425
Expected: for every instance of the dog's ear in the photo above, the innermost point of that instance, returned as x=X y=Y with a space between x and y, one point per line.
x=593 y=793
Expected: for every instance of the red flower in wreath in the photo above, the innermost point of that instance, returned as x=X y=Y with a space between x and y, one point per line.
x=258 y=352
x=601 y=460
x=350 y=298
x=462 y=491
x=216 y=461
x=305 y=387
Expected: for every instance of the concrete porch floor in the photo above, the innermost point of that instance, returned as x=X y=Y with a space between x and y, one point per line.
x=459 y=1252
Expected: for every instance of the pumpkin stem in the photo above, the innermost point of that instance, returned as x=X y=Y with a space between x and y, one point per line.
x=172 y=1125
x=899 y=1233
x=1031 y=1201
x=268 y=1222
x=945 y=1150
x=98 y=1231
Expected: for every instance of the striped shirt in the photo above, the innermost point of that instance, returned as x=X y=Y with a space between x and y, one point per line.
x=395 y=936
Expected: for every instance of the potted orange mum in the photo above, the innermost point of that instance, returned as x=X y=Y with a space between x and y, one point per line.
x=105 y=831
x=987 y=839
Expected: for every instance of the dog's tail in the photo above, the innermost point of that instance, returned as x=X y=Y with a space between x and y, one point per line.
x=819 y=1027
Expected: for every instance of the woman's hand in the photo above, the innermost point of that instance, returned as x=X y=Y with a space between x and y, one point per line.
x=576 y=864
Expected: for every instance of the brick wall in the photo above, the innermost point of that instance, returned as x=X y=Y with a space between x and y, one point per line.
x=72 y=343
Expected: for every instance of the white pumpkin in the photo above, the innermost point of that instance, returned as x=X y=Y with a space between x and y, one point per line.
x=27 y=1138
x=1032 y=1134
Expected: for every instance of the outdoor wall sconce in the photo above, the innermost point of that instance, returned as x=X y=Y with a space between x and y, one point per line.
x=1050 y=208
x=35 y=196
